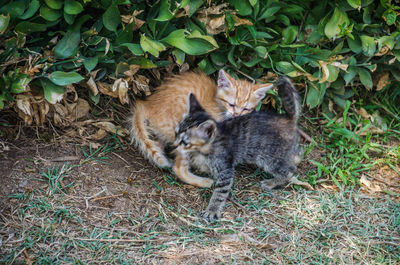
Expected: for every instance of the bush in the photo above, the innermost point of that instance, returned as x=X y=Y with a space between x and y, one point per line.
x=337 y=48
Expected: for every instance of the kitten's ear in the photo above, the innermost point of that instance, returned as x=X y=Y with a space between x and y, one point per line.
x=261 y=89
x=194 y=105
x=224 y=81
x=206 y=130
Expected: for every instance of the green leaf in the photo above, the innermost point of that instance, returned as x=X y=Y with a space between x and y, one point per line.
x=165 y=14
x=151 y=46
x=49 y=14
x=32 y=8
x=143 y=62
x=243 y=7
x=269 y=12
x=206 y=66
x=285 y=67
x=4 y=20
x=72 y=7
x=289 y=34
x=69 y=18
x=179 y=56
x=197 y=35
x=13 y=8
x=333 y=73
x=355 y=44
x=253 y=2
x=134 y=48
x=68 y=44
x=90 y=63
x=354 y=3
x=339 y=18
x=19 y=85
x=389 y=16
x=52 y=92
x=65 y=78
x=315 y=94
x=261 y=51
x=112 y=18
x=368 y=45
x=28 y=27
x=192 y=46
x=55 y=4
x=365 y=77
x=349 y=76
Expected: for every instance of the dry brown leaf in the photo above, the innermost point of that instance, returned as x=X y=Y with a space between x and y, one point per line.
x=368 y=185
x=107 y=89
x=325 y=71
x=383 y=81
x=128 y=19
x=24 y=104
x=123 y=92
x=241 y=21
x=133 y=68
x=330 y=106
x=214 y=25
x=340 y=65
x=363 y=113
x=81 y=109
x=100 y=134
x=141 y=84
x=111 y=128
x=92 y=86
x=214 y=10
x=383 y=51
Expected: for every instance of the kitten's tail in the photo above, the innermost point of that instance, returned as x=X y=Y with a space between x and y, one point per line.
x=140 y=137
x=290 y=98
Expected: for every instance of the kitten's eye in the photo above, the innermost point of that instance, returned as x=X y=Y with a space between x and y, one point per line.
x=246 y=109
x=232 y=105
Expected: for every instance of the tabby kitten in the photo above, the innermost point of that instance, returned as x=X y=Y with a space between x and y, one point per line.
x=268 y=140
x=153 y=120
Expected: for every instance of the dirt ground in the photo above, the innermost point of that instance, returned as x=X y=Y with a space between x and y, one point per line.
x=60 y=206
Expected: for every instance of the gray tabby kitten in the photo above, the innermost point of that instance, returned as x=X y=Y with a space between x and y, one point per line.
x=268 y=140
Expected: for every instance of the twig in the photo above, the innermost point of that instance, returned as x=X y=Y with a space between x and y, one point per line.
x=301 y=25
x=107 y=197
x=121 y=158
x=249 y=77
x=64 y=159
x=305 y=136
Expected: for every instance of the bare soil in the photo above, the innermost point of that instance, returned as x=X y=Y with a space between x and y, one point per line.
x=122 y=210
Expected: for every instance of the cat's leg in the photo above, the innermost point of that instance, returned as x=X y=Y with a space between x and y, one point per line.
x=217 y=202
x=181 y=169
x=282 y=173
x=140 y=135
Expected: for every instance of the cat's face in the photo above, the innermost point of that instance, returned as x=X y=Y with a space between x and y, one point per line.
x=196 y=130
x=239 y=97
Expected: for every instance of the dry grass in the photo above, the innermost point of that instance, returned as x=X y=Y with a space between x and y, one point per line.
x=114 y=208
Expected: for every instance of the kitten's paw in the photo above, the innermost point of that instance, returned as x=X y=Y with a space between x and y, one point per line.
x=268 y=185
x=205 y=183
x=210 y=216
x=163 y=162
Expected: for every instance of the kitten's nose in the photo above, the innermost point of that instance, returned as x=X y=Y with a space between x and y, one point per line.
x=235 y=115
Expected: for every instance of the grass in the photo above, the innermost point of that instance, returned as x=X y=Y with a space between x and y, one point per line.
x=351 y=149
x=137 y=219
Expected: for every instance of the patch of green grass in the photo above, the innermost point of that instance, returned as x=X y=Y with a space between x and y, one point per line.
x=351 y=150
x=55 y=176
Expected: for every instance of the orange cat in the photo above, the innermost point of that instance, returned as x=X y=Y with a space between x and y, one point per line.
x=154 y=119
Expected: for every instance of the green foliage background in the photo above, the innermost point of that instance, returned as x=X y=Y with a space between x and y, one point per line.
x=337 y=48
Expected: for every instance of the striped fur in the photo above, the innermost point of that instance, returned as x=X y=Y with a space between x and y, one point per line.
x=268 y=140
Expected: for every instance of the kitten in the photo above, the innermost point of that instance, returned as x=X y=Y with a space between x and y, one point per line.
x=153 y=120
x=268 y=140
